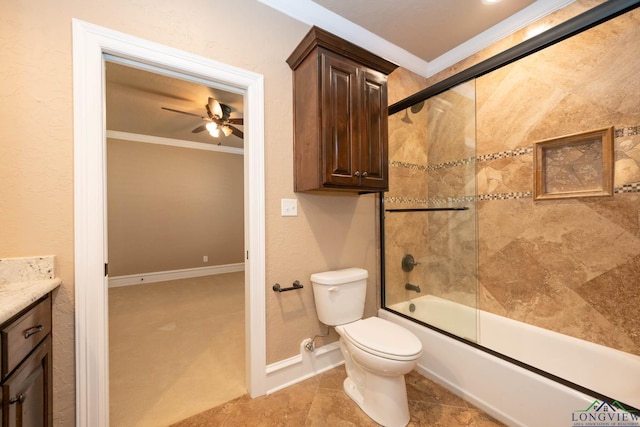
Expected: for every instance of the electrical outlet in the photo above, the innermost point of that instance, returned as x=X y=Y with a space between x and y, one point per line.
x=205 y=258
x=289 y=207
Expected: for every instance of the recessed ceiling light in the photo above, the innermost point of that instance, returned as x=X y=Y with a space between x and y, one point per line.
x=490 y=1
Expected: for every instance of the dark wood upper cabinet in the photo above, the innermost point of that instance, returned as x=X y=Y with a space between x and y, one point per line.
x=340 y=115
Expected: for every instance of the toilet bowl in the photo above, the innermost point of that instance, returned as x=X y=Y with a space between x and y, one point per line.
x=377 y=356
x=377 y=353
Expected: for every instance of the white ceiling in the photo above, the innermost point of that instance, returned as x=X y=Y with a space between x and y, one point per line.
x=425 y=28
x=423 y=36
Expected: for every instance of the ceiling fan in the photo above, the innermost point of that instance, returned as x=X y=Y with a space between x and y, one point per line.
x=218 y=119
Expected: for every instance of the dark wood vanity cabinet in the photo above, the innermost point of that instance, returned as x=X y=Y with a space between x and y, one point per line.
x=26 y=368
x=340 y=115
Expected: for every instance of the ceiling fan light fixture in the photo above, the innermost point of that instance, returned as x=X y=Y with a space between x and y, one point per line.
x=215 y=108
x=213 y=129
x=218 y=118
x=226 y=130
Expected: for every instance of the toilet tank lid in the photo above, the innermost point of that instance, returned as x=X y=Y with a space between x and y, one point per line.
x=337 y=277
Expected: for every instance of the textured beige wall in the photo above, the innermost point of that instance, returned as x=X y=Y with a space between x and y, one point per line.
x=36 y=152
x=170 y=206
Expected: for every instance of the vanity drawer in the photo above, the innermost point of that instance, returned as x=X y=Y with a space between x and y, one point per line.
x=23 y=334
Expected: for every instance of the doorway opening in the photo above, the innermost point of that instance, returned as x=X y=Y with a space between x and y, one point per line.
x=175 y=245
x=90 y=45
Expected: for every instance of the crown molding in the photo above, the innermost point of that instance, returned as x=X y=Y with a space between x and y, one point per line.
x=311 y=13
x=516 y=22
x=149 y=139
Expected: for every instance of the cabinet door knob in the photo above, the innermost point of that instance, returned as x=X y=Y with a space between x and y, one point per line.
x=357 y=173
x=18 y=399
x=364 y=174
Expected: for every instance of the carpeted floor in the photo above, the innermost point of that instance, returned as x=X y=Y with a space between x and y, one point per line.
x=176 y=349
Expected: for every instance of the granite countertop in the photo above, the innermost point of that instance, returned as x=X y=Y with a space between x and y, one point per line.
x=14 y=297
x=24 y=281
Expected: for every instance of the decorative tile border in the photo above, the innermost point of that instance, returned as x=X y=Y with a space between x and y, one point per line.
x=407 y=165
x=506 y=196
x=628 y=131
x=460 y=199
x=628 y=188
x=625 y=188
x=423 y=168
x=619 y=133
x=451 y=164
x=395 y=199
x=504 y=154
x=431 y=201
x=483 y=158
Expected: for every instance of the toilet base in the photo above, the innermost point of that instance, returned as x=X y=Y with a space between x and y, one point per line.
x=383 y=399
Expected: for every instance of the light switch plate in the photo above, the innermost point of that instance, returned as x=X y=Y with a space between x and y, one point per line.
x=289 y=207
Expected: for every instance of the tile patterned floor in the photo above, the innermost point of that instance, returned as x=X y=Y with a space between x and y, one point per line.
x=321 y=401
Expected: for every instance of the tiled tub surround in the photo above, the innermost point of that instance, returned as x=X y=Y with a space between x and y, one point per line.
x=570 y=266
x=23 y=281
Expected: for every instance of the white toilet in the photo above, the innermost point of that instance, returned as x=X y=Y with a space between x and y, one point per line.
x=377 y=353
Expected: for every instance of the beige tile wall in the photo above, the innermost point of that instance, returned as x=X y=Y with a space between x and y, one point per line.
x=572 y=265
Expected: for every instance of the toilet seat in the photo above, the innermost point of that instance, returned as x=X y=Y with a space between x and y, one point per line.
x=383 y=338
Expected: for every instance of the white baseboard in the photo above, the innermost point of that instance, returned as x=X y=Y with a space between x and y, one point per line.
x=305 y=365
x=161 y=276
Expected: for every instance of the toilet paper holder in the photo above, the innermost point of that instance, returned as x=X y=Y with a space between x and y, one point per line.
x=296 y=285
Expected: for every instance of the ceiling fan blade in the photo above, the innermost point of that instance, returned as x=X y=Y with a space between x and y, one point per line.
x=237 y=132
x=199 y=129
x=215 y=108
x=238 y=121
x=183 y=112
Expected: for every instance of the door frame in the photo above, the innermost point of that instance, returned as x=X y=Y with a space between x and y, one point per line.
x=90 y=43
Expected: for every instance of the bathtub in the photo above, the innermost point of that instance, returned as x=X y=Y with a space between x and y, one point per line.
x=511 y=393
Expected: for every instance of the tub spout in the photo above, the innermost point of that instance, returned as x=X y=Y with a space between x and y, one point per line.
x=411 y=287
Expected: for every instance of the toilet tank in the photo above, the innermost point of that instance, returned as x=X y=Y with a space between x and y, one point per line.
x=339 y=295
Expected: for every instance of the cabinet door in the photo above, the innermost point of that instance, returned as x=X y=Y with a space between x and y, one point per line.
x=340 y=121
x=26 y=396
x=373 y=130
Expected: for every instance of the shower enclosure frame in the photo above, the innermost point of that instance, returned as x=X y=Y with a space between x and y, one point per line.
x=591 y=18
x=595 y=16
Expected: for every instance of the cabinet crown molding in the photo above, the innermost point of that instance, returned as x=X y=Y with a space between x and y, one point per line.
x=317 y=37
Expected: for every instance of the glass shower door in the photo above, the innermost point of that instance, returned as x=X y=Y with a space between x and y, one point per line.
x=430 y=233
